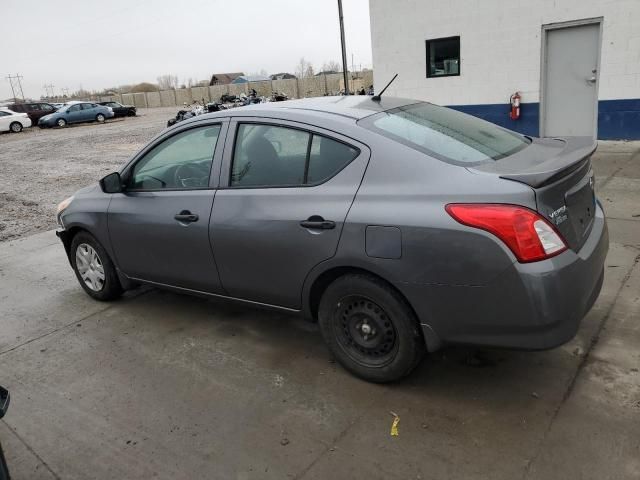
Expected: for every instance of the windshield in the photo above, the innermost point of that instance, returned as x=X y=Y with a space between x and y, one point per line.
x=446 y=133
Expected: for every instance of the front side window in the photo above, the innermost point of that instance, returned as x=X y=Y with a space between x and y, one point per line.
x=46 y=107
x=445 y=133
x=74 y=108
x=443 y=57
x=183 y=162
x=272 y=156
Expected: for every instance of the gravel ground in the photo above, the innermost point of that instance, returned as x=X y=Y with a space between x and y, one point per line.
x=42 y=167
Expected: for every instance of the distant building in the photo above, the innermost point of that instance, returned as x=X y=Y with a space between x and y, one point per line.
x=326 y=72
x=251 y=78
x=282 y=76
x=224 y=78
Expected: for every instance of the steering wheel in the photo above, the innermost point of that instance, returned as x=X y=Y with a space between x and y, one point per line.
x=189 y=176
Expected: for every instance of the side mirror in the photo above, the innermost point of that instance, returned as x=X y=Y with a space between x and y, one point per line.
x=112 y=183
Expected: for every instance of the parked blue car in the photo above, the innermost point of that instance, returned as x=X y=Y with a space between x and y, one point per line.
x=78 y=112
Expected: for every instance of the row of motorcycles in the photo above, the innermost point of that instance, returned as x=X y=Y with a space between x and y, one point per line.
x=226 y=102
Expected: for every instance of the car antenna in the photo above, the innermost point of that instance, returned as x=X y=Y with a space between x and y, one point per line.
x=377 y=98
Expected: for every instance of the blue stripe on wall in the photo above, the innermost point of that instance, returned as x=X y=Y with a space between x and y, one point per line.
x=617 y=119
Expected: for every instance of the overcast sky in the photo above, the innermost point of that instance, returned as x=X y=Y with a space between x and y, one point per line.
x=100 y=44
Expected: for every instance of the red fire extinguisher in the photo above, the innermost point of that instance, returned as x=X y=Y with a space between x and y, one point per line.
x=514 y=113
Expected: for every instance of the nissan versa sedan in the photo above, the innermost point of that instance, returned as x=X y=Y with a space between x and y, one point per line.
x=400 y=226
x=77 y=112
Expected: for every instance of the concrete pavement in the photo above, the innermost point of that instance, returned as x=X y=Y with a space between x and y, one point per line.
x=159 y=385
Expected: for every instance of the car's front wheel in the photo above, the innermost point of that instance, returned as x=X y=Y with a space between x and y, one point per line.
x=16 y=127
x=93 y=267
x=61 y=122
x=370 y=328
x=100 y=118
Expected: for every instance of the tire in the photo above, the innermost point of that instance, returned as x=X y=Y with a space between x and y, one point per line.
x=131 y=113
x=82 y=248
x=389 y=347
x=15 y=127
x=100 y=118
x=61 y=122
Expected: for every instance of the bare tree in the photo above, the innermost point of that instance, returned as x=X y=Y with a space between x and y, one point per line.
x=309 y=72
x=331 y=66
x=166 y=82
x=302 y=69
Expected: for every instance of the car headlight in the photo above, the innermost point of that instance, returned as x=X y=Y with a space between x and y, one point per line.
x=63 y=205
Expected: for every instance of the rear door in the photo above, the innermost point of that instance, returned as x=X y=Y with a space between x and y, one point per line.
x=74 y=113
x=285 y=193
x=159 y=225
x=89 y=112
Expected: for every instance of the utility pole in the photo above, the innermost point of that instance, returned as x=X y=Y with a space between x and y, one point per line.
x=16 y=85
x=345 y=72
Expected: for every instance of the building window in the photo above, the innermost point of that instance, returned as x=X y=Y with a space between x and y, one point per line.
x=443 y=57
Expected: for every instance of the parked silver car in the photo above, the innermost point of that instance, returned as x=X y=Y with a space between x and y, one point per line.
x=401 y=226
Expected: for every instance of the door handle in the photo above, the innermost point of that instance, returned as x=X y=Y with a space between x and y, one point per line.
x=185 y=216
x=591 y=79
x=316 y=222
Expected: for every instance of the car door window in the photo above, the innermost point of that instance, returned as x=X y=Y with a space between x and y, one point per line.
x=87 y=106
x=268 y=155
x=46 y=107
x=183 y=162
x=328 y=157
x=74 y=108
x=271 y=156
x=4 y=114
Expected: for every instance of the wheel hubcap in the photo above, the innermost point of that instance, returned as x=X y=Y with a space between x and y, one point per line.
x=90 y=267
x=15 y=128
x=365 y=331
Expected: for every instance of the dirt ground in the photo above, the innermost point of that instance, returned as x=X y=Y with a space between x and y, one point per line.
x=42 y=167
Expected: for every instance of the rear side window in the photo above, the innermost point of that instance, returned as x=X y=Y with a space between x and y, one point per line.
x=275 y=156
x=445 y=133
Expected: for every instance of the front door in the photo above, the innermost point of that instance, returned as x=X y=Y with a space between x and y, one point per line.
x=570 y=80
x=159 y=226
x=287 y=193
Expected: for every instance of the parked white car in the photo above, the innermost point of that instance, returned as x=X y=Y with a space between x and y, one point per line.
x=12 y=121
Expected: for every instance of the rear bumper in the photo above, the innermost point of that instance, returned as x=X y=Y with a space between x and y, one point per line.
x=532 y=306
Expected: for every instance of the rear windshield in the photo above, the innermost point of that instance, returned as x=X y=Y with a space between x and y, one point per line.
x=446 y=133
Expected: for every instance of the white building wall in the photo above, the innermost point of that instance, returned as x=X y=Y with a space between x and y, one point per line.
x=500 y=46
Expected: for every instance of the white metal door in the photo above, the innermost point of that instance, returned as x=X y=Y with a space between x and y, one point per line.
x=569 y=96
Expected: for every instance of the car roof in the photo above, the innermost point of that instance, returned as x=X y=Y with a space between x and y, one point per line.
x=351 y=106
x=5 y=109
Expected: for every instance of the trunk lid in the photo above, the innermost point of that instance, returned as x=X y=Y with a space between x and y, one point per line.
x=559 y=172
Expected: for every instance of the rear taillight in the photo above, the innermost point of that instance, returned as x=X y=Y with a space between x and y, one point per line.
x=529 y=236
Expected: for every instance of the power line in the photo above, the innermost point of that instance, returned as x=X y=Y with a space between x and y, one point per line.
x=49 y=90
x=16 y=85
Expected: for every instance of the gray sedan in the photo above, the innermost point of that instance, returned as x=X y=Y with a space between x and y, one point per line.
x=400 y=226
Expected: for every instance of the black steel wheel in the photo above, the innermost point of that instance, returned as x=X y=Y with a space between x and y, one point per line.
x=365 y=331
x=370 y=328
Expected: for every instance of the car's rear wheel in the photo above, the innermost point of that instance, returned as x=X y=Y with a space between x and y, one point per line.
x=93 y=267
x=100 y=118
x=370 y=329
x=61 y=122
x=16 y=127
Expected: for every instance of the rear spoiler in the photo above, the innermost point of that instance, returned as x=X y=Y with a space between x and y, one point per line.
x=544 y=161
